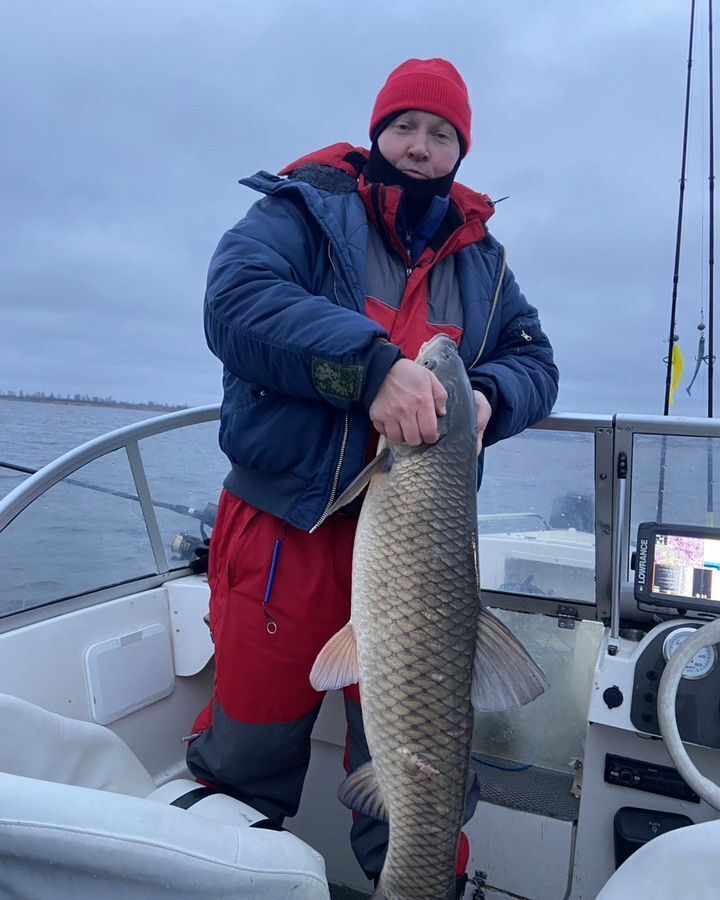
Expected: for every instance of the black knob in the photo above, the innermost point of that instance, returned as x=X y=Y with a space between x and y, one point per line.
x=613 y=696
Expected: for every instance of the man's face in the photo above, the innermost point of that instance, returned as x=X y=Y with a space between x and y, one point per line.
x=420 y=144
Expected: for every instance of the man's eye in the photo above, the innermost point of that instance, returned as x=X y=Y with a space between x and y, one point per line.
x=442 y=136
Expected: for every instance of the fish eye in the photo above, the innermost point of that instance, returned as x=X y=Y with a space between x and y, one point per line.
x=430 y=364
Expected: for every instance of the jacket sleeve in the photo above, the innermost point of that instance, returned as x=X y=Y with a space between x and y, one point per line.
x=267 y=328
x=518 y=375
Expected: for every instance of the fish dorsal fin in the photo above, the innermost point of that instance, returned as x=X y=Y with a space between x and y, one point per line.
x=361 y=791
x=336 y=665
x=380 y=464
x=504 y=673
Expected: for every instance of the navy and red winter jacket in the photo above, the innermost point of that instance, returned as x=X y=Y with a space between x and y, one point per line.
x=284 y=312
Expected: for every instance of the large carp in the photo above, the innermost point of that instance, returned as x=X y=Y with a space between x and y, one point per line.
x=420 y=643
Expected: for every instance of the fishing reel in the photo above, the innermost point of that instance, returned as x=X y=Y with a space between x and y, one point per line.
x=194 y=550
x=190 y=547
x=184 y=544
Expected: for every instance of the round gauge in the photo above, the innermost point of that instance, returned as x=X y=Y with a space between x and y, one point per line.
x=701 y=664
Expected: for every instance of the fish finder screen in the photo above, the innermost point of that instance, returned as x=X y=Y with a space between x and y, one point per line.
x=686 y=567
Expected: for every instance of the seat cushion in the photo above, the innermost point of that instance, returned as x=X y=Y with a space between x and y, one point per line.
x=41 y=744
x=72 y=842
x=682 y=863
x=218 y=807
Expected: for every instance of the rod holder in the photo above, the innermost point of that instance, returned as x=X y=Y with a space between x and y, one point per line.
x=619 y=530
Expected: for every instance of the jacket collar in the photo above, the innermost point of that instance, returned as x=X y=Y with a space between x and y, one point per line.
x=464 y=224
x=344 y=156
x=351 y=160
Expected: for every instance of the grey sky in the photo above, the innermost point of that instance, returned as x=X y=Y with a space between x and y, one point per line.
x=126 y=127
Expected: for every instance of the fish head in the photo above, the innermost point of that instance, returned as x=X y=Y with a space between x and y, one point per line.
x=440 y=355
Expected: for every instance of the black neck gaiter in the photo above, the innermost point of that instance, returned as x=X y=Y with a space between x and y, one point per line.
x=418 y=193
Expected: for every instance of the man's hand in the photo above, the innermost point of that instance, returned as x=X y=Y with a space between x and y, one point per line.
x=483 y=411
x=406 y=407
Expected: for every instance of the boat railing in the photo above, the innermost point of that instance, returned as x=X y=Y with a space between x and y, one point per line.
x=126 y=438
x=573 y=458
x=68 y=552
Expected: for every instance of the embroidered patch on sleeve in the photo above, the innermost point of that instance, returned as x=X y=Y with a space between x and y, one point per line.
x=336 y=380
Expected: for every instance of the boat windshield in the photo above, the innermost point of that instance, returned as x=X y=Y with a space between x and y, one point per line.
x=90 y=530
x=536 y=516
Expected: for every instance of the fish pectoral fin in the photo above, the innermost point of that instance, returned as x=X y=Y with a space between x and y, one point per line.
x=504 y=673
x=380 y=464
x=361 y=791
x=336 y=665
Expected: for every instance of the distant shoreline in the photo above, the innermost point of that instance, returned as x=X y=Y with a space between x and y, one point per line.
x=81 y=400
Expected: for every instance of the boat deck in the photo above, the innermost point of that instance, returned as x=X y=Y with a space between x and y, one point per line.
x=338 y=892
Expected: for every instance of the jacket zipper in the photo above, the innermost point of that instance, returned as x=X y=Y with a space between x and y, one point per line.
x=346 y=424
x=492 y=310
x=332 y=264
x=336 y=478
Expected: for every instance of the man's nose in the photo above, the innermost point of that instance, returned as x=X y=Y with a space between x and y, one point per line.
x=419 y=147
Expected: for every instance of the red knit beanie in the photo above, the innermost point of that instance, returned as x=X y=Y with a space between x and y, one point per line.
x=432 y=85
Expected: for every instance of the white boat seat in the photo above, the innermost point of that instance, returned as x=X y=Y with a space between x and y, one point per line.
x=41 y=744
x=80 y=817
x=681 y=863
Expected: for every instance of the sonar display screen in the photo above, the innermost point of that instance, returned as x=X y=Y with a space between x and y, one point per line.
x=686 y=566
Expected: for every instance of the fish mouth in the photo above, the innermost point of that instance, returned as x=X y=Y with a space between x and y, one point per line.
x=437 y=345
x=441 y=357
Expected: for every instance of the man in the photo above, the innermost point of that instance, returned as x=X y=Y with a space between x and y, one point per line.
x=317 y=304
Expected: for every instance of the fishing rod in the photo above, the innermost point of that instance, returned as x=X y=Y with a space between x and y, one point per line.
x=701 y=357
x=205 y=516
x=711 y=271
x=711 y=229
x=672 y=339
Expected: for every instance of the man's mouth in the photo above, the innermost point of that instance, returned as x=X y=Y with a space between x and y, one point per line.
x=415 y=173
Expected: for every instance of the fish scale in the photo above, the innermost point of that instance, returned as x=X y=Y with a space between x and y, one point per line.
x=420 y=643
x=417 y=717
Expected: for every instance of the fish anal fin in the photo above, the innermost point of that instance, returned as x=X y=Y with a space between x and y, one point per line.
x=381 y=463
x=504 y=673
x=361 y=791
x=336 y=665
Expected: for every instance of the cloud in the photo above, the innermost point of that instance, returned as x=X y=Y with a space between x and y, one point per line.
x=127 y=126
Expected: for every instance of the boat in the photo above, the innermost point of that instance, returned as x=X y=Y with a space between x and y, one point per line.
x=105 y=659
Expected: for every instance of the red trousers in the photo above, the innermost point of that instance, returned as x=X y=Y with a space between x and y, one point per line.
x=278 y=595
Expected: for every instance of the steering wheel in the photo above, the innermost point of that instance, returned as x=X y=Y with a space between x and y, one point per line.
x=705 y=636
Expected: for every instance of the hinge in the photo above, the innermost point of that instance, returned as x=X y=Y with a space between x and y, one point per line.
x=567 y=617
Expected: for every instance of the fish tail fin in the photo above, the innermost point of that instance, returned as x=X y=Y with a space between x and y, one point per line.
x=504 y=673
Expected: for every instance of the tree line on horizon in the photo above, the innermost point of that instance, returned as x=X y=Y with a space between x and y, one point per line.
x=42 y=397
